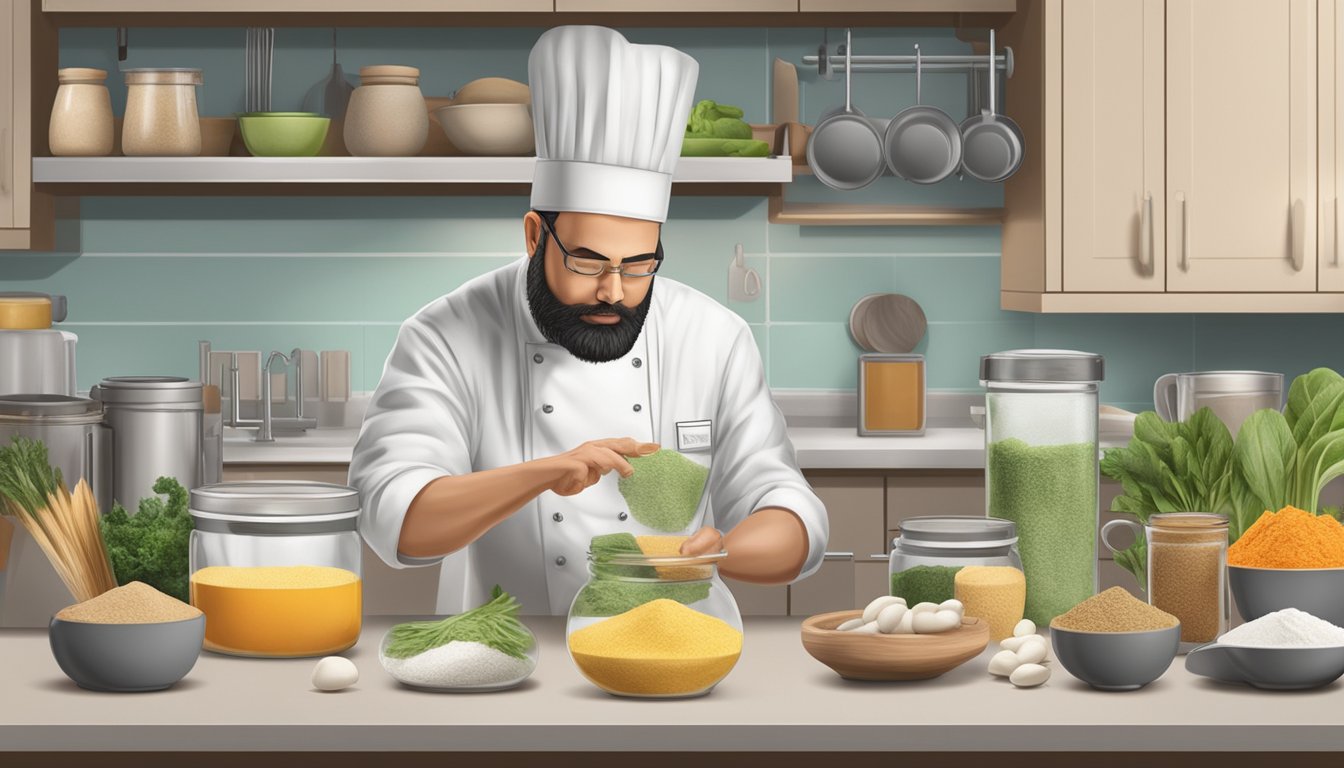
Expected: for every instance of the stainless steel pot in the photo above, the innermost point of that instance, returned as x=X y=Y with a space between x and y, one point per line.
x=922 y=143
x=992 y=144
x=156 y=426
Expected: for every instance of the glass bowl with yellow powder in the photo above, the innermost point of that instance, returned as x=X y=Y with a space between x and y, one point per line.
x=652 y=623
x=275 y=566
x=1289 y=559
x=1114 y=641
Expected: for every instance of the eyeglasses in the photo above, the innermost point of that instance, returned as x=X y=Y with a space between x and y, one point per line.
x=644 y=265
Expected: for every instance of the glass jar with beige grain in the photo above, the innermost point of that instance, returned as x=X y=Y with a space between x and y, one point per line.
x=161 y=117
x=81 y=116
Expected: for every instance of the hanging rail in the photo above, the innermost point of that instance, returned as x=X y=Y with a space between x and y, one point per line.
x=896 y=63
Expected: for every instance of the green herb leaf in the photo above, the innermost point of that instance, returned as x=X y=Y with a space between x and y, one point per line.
x=494 y=624
x=1265 y=455
x=152 y=545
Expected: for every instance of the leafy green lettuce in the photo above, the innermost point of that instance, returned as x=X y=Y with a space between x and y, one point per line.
x=151 y=546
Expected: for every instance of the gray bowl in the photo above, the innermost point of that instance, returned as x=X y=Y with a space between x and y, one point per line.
x=126 y=657
x=1116 y=661
x=1276 y=669
x=1259 y=591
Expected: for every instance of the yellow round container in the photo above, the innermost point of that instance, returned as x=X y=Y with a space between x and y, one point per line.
x=25 y=313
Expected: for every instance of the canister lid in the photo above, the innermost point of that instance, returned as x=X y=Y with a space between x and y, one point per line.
x=25 y=313
x=962 y=532
x=1042 y=365
x=1234 y=382
x=147 y=390
x=275 y=506
x=81 y=75
x=63 y=408
x=388 y=74
x=163 y=76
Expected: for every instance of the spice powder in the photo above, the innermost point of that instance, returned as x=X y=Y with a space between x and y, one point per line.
x=1114 y=610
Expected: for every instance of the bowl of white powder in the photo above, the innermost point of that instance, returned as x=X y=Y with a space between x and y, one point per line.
x=1284 y=650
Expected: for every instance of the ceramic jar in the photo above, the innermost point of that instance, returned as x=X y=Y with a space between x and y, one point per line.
x=161 y=118
x=387 y=115
x=81 y=117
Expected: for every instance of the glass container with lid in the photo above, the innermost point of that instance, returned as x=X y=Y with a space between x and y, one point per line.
x=1041 y=468
x=161 y=117
x=654 y=626
x=275 y=566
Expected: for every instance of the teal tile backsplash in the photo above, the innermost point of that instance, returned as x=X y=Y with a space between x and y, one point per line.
x=156 y=275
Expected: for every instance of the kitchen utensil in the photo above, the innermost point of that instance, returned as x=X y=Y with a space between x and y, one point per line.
x=489 y=129
x=894 y=323
x=258 y=56
x=1260 y=591
x=217 y=135
x=161 y=118
x=824 y=70
x=856 y=320
x=892 y=394
x=34 y=357
x=923 y=143
x=279 y=134
x=1116 y=661
x=744 y=283
x=783 y=93
x=387 y=115
x=331 y=96
x=126 y=658
x=59 y=308
x=493 y=90
x=856 y=656
x=81 y=117
x=1232 y=395
x=845 y=149
x=992 y=144
x=1275 y=669
x=156 y=424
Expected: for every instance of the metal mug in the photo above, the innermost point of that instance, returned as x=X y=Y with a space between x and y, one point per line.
x=1231 y=395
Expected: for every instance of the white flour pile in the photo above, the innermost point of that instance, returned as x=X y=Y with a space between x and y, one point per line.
x=1289 y=628
x=459 y=664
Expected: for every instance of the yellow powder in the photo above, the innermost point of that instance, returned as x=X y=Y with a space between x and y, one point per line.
x=1290 y=538
x=134 y=603
x=997 y=594
x=670 y=546
x=661 y=648
x=278 y=610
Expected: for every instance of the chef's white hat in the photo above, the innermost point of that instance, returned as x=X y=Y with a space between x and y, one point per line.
x=609 y=118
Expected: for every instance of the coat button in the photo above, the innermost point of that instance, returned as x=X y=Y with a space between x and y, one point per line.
x=557 y=517
x=560 y=560
x=638 y=407
x=636 y=362
x=537 y=358
x=547 y=408
x=623 y=516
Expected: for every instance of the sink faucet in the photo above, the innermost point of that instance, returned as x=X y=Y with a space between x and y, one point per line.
x=264 y=428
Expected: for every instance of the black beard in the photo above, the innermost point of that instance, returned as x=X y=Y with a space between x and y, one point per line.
x=562 y=323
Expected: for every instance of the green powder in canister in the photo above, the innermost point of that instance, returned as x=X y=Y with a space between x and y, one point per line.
x=664 y=491
x=1114 y=610
x=925 y=584
x=1050 y=493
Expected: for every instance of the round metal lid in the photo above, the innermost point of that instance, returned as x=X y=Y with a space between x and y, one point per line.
x=959 y=531
x=64 y=407
x=1042 y=365
x=147 y=389
x=1234 y=382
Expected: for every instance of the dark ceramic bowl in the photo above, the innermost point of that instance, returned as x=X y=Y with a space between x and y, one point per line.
x=1116 y=661
x=1260 y=591
x=127 y=657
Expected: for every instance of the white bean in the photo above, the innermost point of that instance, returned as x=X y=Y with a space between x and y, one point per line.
x=1033 y=650
x=875 y=607
x=851 y=624
x=1003 y=663
x=952 y=605
x=890 y=618
x=906 y=625
x=1024 y=627
x=867 y=629
x=933 y=622
x=1013 y=643
x=925 y=607
x=334 y=673
x=1029 y=675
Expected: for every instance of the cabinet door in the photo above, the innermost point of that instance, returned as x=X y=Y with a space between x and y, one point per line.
x=1330 y=110
x=8 y=53
x=1114 y=154
x=1241 y=145
x=662 y=6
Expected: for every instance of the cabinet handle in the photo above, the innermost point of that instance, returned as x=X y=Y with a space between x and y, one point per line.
x=1334 y=233
x=5 y=170
x=1297 y=218
x=1184 y=219
x=1146 y=235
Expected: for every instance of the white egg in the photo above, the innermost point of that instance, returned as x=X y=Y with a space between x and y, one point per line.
x=929 y=623
x=333 y=673
x=1013 y=643
x=890 y=618
x=1003 y=663
x=875 y=607
x=851 y=624
x=906 y=625
x=1029 y=675
x=925 y=607
x=1033 y=650
x=952 y=605
x=869 y=628
x=1024 y=627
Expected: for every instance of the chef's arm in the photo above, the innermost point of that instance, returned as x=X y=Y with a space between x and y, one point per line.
x=769 y=547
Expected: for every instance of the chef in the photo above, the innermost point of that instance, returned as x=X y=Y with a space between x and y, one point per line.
x=509 y=408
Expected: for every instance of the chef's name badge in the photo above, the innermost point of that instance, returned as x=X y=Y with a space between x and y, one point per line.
x=695 y=435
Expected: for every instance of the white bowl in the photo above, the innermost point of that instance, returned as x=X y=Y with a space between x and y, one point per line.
x=489 y=129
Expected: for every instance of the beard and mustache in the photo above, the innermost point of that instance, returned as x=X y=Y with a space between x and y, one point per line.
x=563 y=323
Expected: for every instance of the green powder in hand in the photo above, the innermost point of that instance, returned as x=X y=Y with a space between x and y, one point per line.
x=665 y=490
x=925 y=584
x=1050 y=492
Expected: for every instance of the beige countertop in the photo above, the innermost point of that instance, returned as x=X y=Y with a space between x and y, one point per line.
x=778 y=698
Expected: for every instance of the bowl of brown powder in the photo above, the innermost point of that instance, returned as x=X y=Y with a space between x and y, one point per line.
x=132 y=638
x=1115 y=642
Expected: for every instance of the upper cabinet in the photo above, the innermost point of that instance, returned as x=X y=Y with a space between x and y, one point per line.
x=1330 y=144
x=16 y=151
x=662 y=6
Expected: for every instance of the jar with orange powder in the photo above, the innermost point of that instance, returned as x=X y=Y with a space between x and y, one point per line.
x=275 y=567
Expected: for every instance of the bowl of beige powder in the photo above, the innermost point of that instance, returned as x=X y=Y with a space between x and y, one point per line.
x=129 y=639
x=1115 y=642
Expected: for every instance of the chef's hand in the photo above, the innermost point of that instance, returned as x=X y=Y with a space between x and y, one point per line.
x=706 y=541
x=573 y=471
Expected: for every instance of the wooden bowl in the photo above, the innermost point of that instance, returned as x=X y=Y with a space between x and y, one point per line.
x=891 y=657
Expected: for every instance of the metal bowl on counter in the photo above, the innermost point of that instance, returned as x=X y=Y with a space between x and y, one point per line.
x=1116 y=661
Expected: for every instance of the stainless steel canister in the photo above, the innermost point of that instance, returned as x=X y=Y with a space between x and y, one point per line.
x=79 y=445
x=156 y=426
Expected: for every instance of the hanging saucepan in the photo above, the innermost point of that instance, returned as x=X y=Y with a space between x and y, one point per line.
x=845 y=150
x=993 y=143
x=922 y=143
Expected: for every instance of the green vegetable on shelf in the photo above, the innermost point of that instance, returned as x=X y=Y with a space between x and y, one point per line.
x=710 y=120
x=494 y=624
x=724 y=148
x=152 y=545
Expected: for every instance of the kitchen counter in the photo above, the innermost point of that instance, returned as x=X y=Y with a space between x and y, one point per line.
x=778 y=699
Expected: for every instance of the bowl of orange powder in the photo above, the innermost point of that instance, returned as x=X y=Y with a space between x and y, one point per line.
x=1289 y=559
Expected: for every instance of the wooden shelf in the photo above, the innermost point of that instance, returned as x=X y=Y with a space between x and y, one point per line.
x=832 y=214
x=1173 y=303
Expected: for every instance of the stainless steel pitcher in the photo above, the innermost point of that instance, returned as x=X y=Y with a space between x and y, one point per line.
x=1231 y=395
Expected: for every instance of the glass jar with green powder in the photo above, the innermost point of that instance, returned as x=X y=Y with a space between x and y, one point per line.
x=926 y=556
x=1041 y=468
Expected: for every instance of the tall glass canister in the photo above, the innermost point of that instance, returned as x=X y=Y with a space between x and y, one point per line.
x=1041 y=468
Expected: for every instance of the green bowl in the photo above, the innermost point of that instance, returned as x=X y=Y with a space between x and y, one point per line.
x=284 y=135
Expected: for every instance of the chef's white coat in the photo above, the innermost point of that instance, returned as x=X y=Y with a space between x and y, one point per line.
x=472 y=384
